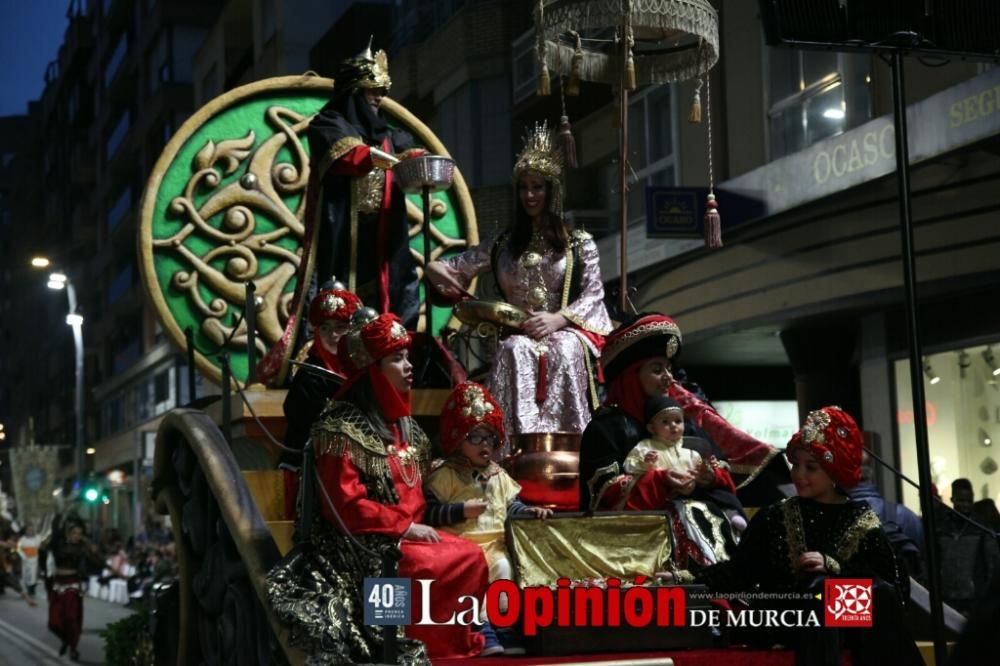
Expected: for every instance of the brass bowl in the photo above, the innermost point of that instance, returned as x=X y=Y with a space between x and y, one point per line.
x=498 y=313
x=547 y=467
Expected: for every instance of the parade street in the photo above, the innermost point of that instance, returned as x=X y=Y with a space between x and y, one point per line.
x=26 y=639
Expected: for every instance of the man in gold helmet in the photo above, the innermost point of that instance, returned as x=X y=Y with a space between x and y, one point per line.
x=363 y=217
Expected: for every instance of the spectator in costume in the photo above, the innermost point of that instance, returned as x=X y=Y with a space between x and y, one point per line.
x=370 y=456
x=71 y=555
x=27 y=549
x=545 y=375
x=791 y=546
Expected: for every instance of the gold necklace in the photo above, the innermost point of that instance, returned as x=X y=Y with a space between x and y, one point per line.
x=408 y=468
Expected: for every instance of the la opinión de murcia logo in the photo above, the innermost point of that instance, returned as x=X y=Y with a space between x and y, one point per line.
x=847 y=602
x=605 y=603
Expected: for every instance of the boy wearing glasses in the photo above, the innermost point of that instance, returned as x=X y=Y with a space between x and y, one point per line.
x=468 y=494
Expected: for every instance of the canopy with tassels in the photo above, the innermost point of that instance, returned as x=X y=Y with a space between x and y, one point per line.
x=667 y=40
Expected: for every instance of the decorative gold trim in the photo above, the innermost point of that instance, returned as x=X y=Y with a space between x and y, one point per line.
x=567 y=278
x=848 y=544
x=753 y=470
x=718 y=542
x=595 y=496
x=795 y=535
x=641 y=333
x=301 y=356
x=595 y=400
x=336 y=151
x=832 y=565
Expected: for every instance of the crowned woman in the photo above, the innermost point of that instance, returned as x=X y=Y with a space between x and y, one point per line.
x=544 y=376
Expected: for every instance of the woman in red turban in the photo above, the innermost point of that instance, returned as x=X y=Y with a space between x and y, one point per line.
x=370 y=458
x=316 y=382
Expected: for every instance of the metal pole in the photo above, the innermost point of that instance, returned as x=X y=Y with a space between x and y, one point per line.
x=192 y=388
x=80 y=435
x=227 y=391
x=250 y=315
x=424 y=377
x=916 y=355
x=428 y=308
x=623 y=184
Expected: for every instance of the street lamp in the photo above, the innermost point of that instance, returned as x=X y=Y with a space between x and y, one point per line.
x=60 y=281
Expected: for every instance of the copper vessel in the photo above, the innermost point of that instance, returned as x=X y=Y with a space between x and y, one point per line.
x=547 y=465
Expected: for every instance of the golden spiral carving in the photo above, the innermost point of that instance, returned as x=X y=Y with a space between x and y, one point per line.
x=229 y=218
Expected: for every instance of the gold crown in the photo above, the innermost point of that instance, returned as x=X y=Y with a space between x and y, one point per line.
x=364 y=71
x=539 y=154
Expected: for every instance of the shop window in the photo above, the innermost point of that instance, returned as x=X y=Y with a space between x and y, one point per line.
x=963 y=420
x=814 y=95
x=651 y=131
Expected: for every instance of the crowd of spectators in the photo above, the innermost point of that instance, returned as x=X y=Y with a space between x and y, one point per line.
x=140 y=562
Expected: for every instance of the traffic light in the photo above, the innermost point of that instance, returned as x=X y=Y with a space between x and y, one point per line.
x=91 y=493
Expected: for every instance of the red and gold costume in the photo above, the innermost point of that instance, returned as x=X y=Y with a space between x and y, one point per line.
x=356 y=224
x=456 y=481
x=374 y=485
x=701 y=531
x=310 y=391
x=67 y=585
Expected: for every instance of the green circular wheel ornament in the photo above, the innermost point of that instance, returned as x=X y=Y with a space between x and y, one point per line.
x=225 y=205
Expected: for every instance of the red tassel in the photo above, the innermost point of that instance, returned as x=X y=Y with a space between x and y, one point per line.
x=542 y=388
x=567 y=142
x=713 y=223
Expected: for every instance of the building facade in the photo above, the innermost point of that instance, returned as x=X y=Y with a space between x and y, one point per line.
x=802 y=307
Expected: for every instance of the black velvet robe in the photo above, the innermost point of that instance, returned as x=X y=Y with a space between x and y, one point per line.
x=851 y=539
x=307 y=397
x=344 y=117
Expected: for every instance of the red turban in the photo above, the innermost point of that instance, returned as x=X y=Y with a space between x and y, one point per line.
x=338 y=304
x=833 y=438
x=469 y=405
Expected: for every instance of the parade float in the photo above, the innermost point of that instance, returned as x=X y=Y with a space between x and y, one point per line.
x=227 y=253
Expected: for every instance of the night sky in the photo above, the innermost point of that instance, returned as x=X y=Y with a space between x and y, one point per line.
x=30 y=34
